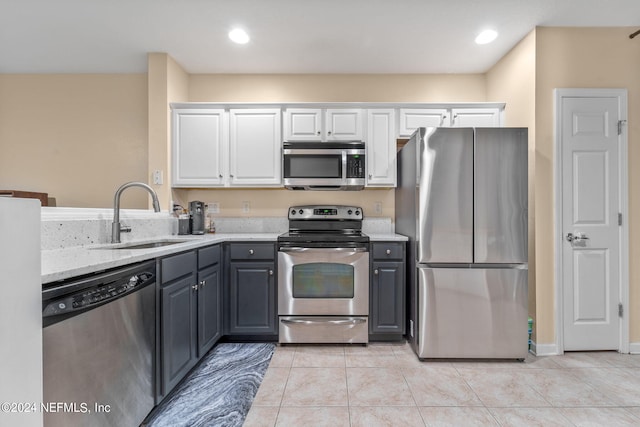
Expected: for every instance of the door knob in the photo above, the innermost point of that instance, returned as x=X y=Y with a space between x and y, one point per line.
x=578 y=240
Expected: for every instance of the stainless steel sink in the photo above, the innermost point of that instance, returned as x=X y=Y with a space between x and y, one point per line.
x=143 y=245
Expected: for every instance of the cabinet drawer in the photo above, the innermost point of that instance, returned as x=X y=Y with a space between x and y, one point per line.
x=177 y=266
x=388 y=250
x=252 y=251
x=208 y=256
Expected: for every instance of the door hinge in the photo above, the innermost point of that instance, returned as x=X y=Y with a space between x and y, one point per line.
x=619 y=218
x=620 y=309
x=620 y=124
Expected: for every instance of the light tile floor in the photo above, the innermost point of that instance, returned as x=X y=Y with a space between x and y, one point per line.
x=386 y=385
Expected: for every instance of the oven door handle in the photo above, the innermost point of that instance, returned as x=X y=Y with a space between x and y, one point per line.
x=324 y=250
x=320 y=322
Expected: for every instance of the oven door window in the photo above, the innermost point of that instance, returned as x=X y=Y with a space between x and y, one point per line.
x=323 y=280
x=312 y=166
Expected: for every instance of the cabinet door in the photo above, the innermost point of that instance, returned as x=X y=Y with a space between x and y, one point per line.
x=209 y=308
x=344 y=124
x=199 y=140
x=381 y=148
x=178 y=301
x=252 y=298
x=255 y=148
x=303 y=124
x=387 y=298
x=475 y=117
x=413 y=118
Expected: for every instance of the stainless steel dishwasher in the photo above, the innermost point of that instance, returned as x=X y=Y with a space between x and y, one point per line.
x=98 y=347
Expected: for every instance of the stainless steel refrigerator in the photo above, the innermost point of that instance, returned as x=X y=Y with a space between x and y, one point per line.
x=462 y=201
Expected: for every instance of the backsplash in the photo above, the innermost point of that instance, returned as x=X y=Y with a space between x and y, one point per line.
x=70 y=227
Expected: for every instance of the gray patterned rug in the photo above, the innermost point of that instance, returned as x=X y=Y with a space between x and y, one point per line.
x=220 y=390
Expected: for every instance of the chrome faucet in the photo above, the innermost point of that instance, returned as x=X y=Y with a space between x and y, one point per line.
x=116 y=228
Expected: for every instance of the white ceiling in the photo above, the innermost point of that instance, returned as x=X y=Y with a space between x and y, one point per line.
x=287 y=36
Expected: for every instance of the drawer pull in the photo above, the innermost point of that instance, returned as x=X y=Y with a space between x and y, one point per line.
x=388 y=251
x=194 y=287
x=250 y=251
x=375 y=271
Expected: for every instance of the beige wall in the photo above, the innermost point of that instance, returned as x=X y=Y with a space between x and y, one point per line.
x=337 y=88
x=76 y=137
x=589 y=58
x=512 y=80
x=168 y=82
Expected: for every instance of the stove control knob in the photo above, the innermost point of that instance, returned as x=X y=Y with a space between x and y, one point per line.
x=300 y=211
x=357 y=213
x=293 y=211
x=349 y=211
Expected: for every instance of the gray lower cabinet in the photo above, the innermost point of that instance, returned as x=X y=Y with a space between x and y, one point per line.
x=387 y=291
x=209 y=298
x=190 y=312
x=251 y=290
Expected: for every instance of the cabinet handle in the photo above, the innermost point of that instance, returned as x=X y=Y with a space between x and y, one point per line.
x=231 y=175
x=250 y=251
x=194 y=287
x=375 y=271
x=318 y=132
x=370 y=176
x=329 y=133
x=388 y=251
x=204 y=282
x=270 y=272
x=220 y=176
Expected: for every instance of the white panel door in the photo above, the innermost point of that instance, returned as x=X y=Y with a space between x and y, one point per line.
x=590 y=206
x=255 y=147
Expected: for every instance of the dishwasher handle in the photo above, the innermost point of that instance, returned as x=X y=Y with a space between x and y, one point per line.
x=97 y=295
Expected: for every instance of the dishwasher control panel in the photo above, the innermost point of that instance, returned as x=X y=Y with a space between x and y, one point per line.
x=99 y=294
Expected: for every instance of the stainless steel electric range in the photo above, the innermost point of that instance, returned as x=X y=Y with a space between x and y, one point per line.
x=323 y=276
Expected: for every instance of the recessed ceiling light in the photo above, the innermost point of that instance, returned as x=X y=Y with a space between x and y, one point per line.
x=487 y=36
x=238 y=35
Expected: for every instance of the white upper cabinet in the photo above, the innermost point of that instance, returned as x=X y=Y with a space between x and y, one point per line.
x=475 y=117
x=199 y=143
x=216 y=148
x=381 y=147
x=413 y=118
x=343 y=124
x=303 y=124
x=318 y=124
x=255 y=147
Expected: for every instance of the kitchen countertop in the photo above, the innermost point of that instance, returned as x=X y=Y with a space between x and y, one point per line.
x=61 y=264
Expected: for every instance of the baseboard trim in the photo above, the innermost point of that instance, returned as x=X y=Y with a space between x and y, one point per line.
x=546 y=349
x=634 y=348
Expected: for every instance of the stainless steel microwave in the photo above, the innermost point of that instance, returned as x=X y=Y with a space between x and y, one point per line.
x=324 y=165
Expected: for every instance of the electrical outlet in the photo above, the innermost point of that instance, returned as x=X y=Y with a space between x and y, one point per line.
x=377 y=208
x=213 y=207
x=246 y=207
x=157 y=177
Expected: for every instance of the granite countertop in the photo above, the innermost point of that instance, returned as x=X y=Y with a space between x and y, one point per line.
x=65 y=263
